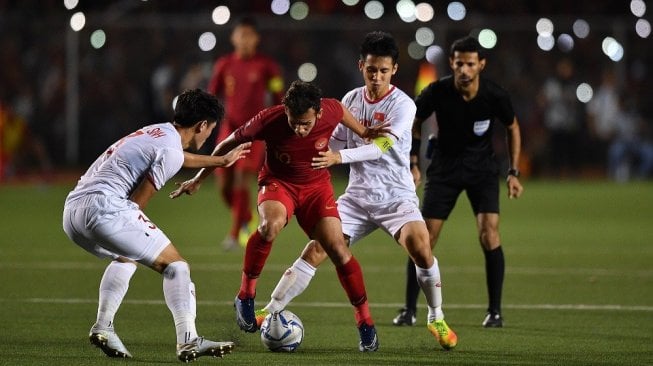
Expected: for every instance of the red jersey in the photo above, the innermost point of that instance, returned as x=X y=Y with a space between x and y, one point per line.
x=288 y=156
x=243 y=85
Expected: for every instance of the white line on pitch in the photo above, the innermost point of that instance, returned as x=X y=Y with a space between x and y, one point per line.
x=614 y=307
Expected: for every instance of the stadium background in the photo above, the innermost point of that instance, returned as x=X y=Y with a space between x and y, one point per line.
x=75 y=98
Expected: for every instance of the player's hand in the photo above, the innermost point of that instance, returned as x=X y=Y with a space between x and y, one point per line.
x=515 y=188
x=237 y=153
x=375 y=131
x=189 y=187
x=326 y=159
x=417 y=175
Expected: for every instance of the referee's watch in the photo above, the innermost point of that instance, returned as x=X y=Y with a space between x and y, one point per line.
x=513 y=172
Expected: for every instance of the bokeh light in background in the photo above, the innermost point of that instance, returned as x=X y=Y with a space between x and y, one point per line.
x=98 y=39
x=406 y=10
x=307 y=72
x=612 y=48
x=643 y=28
x=415 y=51
x=424 y=36
x=565 y=42
x=350 y=2
x=374 y=9
x=584 y=92
x=456 y=11
x=299 y=10
x=70 y=4
x=434 y=54
x=221 y=15
x=77 y=21
x=487 y=38
x=544 y=26
x=206 y=41
x=424 y=12
x=280 y=7
x=581 y=28
x=638 y=8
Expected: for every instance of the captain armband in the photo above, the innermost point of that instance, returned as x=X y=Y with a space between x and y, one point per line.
x=384 y=143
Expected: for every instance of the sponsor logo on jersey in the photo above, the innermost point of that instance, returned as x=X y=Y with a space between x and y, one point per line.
x=481 y=127
x=321 y=143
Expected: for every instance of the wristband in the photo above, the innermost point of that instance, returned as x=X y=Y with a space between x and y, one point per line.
x=513 y=172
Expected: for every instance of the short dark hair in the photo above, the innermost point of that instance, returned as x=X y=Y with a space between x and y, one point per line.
x=194 y=105
x=467 y=44
x=302 y=96
x=379 y=43
x=246 y=21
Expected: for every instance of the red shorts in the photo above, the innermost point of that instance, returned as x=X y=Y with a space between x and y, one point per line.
x=254 y=160
x=309 y=203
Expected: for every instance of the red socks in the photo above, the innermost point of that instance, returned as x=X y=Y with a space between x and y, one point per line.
x=256 y=253
x=351 y=279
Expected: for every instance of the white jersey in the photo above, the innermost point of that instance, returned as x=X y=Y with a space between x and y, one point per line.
x=154 y=152
x=387 y=178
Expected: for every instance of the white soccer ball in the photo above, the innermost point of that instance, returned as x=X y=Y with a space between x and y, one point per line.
x=282 y=331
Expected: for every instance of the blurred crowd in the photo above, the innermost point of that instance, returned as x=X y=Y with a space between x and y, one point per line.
x=152 y=54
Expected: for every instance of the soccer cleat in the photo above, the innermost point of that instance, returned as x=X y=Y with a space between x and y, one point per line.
x=445 y=335
x=199 y=347
x=108 y=341
x=229 y=243
x=493 y=320
x=245 y=316
x=405 y=317
x=369 y=342
x=260 y=315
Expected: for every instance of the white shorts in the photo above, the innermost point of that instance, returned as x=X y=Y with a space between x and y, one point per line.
x=360 y=218
x=113 y=227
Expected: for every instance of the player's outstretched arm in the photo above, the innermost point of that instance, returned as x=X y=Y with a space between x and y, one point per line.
x=196 y=161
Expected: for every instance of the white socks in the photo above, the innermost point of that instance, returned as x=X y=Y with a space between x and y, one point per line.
x=113 y=287
x=179 y=293
x=429 y=281
x=292 y=283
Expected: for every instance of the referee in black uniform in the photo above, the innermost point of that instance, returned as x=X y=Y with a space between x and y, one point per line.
x=466 y=108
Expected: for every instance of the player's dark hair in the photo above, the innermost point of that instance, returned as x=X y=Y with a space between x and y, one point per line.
x=197 y=105
x=379 y=43
x=302 y=96
x=247 y=21
x=467 y=44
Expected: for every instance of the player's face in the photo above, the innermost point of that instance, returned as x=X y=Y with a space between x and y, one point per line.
x=202 y=132
x=377 y=72
x=245 y=40
x=304 y=123
x=466 y=67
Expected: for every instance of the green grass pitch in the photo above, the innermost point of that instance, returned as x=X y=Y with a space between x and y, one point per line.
x=578 y=287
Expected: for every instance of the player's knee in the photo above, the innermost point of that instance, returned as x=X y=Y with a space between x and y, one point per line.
x=269 y=229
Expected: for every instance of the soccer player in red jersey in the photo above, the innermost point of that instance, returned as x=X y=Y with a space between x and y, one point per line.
x=294 y=133
x=243 y=79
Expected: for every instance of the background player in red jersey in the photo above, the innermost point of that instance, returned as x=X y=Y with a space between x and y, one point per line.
x=294 y=133
x=244 y=79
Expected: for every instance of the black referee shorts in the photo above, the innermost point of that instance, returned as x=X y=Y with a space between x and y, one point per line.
x=442 y=189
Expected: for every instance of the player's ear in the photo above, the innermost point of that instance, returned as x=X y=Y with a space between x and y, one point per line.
x=395 y=67
x=481 y=64
x=201 y=125
x=361 y=65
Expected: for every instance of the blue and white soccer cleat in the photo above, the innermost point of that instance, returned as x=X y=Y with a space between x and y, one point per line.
x=369 y=341
x=245 y=316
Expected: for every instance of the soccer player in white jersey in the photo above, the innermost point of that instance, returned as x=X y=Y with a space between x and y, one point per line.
x=380 y=192
x=104 y=215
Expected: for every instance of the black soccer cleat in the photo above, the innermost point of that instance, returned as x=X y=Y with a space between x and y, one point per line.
x=493 y=320
x=405 y=317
